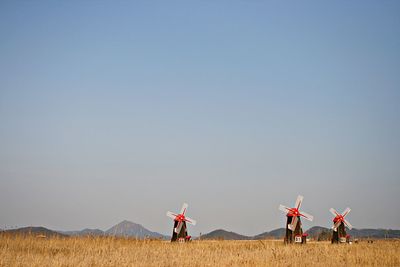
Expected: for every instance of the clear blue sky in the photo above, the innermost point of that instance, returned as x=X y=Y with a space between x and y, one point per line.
x=113 y=110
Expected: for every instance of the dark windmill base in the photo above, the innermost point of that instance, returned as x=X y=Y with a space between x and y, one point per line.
x=182 y=235
x=290 y=236
x=339 y=236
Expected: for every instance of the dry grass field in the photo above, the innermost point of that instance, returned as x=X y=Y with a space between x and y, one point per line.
x=107 y=251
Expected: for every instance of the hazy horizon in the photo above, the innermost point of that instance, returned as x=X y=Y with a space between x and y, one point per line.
x=114 y=111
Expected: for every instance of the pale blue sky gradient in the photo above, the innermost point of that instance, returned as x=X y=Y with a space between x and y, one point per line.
x=113 y=110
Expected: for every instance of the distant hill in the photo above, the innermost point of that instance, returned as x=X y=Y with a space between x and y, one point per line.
x=37 y=231
x=130 y=229
x=315 y=231
x=84 y=232
x=274 y=234
x=225 y=235
x=374 y=233
x=92 y=232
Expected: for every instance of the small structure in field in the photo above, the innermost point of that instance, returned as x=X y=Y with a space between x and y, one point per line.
x=179 y=232
x=339 y=226
x=294 y=231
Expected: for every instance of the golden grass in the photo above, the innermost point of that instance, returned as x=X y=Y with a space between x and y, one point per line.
x=108 y=251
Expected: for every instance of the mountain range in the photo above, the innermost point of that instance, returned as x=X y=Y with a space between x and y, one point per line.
x=84 y=232
x=134 y=230
x=37 y=231
x=313 y=232
x=122 y=229
x=225 y=235
x=130 y=229
x=274 y=234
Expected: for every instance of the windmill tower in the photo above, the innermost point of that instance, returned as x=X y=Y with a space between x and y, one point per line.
x=339 y=226
x=179 y=232
x=294 y=231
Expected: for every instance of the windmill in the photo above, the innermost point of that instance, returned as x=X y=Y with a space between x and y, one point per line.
x=339 y=226
x=180 y=230
x=294 y=232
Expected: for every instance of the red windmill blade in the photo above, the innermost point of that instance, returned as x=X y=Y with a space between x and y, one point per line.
x=295 y=213
x=339 y=218
x=180 y=218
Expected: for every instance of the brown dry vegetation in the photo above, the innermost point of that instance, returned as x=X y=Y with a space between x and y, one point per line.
x=107 y=251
